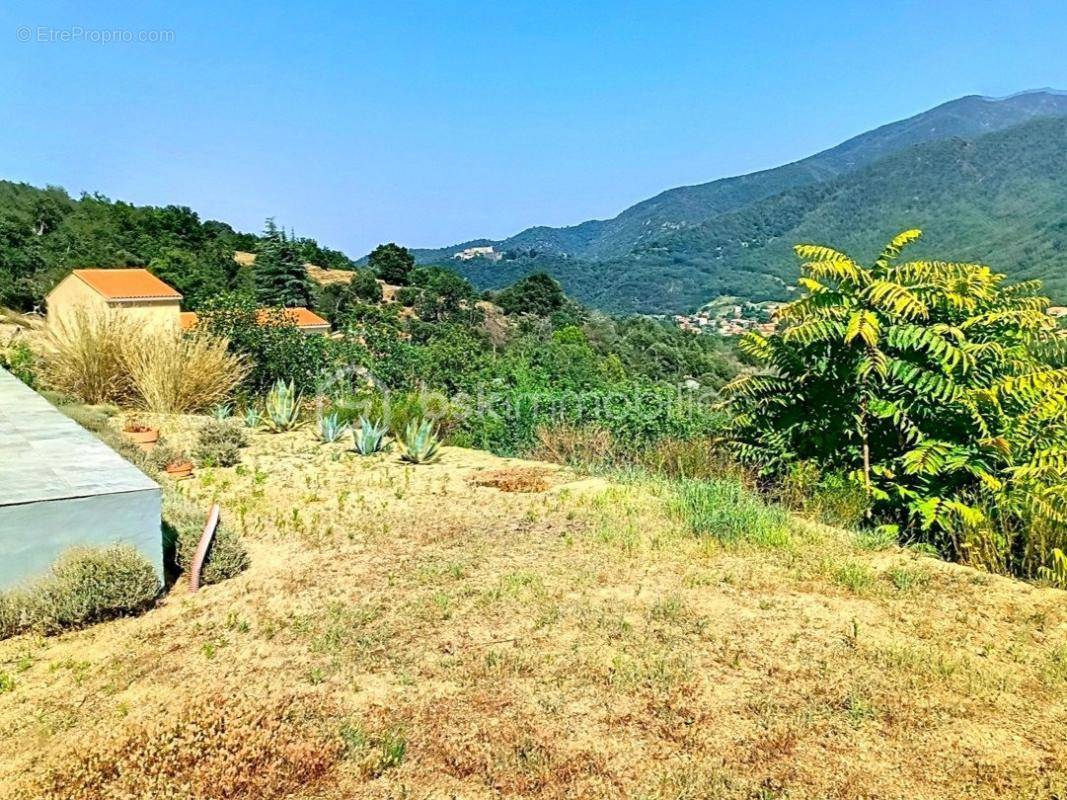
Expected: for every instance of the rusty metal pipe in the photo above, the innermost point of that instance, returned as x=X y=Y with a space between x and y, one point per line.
x=202 y=548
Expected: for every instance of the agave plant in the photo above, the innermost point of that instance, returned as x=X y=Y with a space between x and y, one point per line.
x=331 y=428
x=282 y=408
x=419 y=443
x=369 y=436
x=221 y=411
x=253 y=418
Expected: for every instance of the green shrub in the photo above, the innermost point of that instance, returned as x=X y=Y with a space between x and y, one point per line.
x=272 y=344
x=638 y=414
x=218 y=443
x=183 y=525
x=408 y=295
x=164 y=454
x=938 y=385
x=84 y=586
x=726 y=510
x=19 y=360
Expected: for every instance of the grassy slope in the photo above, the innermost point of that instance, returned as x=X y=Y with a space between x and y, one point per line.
x=402 y=633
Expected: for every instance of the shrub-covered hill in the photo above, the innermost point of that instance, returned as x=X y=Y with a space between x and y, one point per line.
x=999 y=195
x=44 y=233
x=966 y=117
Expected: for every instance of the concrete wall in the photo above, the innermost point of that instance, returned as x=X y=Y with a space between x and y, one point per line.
x=62 y=487
x=33 y=535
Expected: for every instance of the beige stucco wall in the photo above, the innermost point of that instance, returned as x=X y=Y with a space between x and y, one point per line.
x=150 y=312
x=72 y=293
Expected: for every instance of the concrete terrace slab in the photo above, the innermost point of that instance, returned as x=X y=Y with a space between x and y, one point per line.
x=62 y=487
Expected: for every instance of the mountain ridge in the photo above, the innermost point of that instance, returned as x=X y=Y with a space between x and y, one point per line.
x=603 y=248
x=968 y=116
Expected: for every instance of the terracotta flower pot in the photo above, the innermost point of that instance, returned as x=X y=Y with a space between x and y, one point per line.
x=180 y=470
x=142 y=434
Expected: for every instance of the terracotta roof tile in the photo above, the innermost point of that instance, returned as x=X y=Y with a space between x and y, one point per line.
x=301 y=317
x=127 y=284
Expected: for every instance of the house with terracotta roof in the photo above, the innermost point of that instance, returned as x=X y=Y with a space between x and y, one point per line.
x=137 y=293
x=303 y=318
x=141 y=295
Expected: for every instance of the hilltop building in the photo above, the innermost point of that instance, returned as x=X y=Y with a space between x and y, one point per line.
x=478 y=252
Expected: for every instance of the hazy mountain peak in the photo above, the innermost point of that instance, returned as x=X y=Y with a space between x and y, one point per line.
x=965 y=117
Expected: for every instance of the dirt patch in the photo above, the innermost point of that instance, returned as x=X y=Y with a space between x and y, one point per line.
x=514 y=479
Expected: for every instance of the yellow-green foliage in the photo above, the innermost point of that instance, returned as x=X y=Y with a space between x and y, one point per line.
x=940 y=387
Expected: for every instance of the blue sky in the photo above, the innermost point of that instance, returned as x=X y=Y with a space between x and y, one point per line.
x=428 y=123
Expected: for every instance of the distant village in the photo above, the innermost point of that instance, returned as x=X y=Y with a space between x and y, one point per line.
x=729 y=317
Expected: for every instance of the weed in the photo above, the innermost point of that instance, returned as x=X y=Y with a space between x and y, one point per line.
x=906 y=579
x=853 y=576
x=726 y=510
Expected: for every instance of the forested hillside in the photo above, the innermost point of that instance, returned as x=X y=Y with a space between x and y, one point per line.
x=967 y=117
x=1001 y=198
x=45 y=232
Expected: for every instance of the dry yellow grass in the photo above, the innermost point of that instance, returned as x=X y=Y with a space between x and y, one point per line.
x=102 y=358
x=172 y=371
x=405 y=633
x=81 y=355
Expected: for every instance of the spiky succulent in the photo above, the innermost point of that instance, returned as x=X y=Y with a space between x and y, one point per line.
x=282 y=407
x=419 y=443
x=221 y=411
x=331 y=428
x=369 y=437
x=253 y=418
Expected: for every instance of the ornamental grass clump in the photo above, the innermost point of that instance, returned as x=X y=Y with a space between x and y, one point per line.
x=181 y=373
x=82 y=356
x=104 y=358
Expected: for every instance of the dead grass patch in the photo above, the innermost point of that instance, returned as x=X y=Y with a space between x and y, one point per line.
x=514 y=479
x=217 y=747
